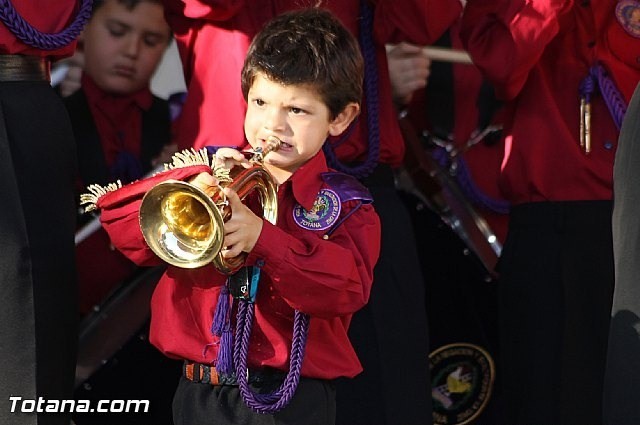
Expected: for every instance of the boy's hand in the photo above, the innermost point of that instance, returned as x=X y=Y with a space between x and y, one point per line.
x=409 y=68
x=242 y=229
x=206 y=182
x=229 y=158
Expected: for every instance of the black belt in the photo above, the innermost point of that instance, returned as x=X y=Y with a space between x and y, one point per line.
x=205 y=374
x=24 y=68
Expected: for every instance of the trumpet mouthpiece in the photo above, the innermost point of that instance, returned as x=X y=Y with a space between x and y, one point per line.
x=273 y=144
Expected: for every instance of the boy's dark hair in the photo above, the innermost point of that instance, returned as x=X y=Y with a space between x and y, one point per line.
x=129 y=4
x=308 y=46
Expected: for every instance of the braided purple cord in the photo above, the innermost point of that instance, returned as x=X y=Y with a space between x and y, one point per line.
x=43 y=41
x=610 y=93
x=612 y=97
x=277 y=400
x=468 y=186
x=371 y=99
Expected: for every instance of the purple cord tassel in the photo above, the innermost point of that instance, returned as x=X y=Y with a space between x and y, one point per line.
x=224 y=362
x=221 y=327
x=221 y=315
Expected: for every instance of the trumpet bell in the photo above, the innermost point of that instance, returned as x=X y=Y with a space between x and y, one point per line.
x=183 y=223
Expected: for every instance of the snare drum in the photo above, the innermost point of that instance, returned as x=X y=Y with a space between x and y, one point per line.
x=459 y=252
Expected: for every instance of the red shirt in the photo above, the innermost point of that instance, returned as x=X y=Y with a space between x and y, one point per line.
x=327 y=279
x=118 y=118
x=536 y=53
x=213 y=38
x=47 y=16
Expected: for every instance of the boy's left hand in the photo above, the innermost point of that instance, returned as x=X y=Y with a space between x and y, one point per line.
x=229 y=158
x=242 y=230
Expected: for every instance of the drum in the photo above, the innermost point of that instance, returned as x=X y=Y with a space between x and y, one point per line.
x=458 y=252
x=461 y=300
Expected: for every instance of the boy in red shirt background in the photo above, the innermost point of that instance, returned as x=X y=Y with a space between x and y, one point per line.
x=121 y=129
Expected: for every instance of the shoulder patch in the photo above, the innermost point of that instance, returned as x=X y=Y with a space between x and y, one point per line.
x=324 y=213
x=628 y=15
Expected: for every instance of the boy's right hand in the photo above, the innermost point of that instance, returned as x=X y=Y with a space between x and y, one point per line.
x=242 y=230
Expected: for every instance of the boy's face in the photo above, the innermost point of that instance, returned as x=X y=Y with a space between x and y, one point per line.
x=297 y=116
x=123 y=47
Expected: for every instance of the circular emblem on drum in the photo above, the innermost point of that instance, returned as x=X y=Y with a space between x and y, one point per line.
x=461 y=382
x=324 y=213
x=628 y=15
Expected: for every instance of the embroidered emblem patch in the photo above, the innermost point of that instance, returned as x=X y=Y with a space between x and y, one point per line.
x=324 y=213
x=628 y=15
x=462 y=378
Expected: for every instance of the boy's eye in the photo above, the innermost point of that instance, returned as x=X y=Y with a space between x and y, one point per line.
x=296 y=110
x=151 y=40
x=117 y=30
x=259 y=102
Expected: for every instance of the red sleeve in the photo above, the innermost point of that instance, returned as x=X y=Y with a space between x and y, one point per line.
x=119 y=214
x=417 y=21
x=506 y=38
x=323 y=278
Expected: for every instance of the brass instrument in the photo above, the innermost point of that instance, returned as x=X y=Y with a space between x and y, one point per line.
x=184 y=225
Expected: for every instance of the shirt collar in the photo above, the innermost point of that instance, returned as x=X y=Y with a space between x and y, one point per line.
x=306 y=181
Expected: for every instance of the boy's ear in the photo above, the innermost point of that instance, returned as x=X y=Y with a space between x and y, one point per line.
x=344 y=118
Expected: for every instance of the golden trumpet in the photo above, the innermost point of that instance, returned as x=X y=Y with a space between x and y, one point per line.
x=184 y=225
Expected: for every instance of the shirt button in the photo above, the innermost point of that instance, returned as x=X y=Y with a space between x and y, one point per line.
x=260 y=263
x=591 y=44
x=608 y=145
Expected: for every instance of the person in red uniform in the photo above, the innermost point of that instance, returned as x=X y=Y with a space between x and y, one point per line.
x=212 y=39
x=120 y=127
x=38 y=323
x=302 y=80
x=121 y=130
x=445 y=105
x=566 y=71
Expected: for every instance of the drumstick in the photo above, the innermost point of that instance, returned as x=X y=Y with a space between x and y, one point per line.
x=448 y=55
